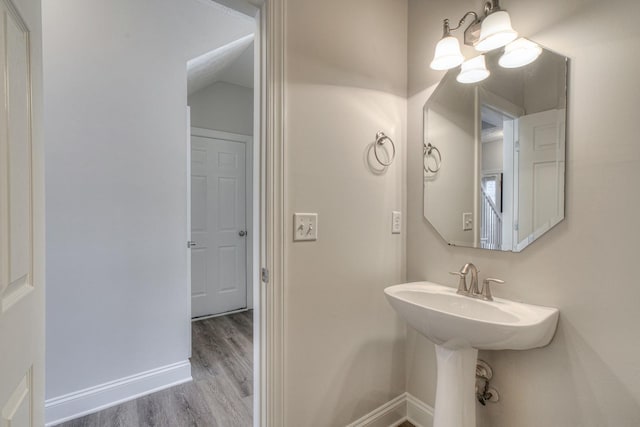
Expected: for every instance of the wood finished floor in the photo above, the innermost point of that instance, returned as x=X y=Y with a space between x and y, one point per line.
x=220 y=395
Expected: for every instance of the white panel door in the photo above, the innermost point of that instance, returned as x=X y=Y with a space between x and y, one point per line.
x=541 y=174
x=21 y=243
x=218 y=226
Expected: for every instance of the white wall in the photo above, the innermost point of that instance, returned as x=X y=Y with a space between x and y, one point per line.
x=492 y=155
x=589 y=375
x=345 y=80
x=115 y=131
x=223 y=106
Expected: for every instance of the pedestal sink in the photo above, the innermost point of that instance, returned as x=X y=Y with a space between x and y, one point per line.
x=460 y=326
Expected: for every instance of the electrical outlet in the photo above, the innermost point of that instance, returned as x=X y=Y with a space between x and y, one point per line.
x=396 y=222
x=467 y=221
x=305 y=226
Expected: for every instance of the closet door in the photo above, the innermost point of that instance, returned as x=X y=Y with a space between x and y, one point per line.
x=218 y=226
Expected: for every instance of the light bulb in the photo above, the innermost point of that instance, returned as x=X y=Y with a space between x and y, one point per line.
x=447 y=54
x=519 y=53
x=496 y=31
x=473 y=70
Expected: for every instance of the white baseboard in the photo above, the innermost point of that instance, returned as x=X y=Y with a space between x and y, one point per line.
x=385 y=415
x=93 y=399
x=226 y=313
x=419 y=413
x=405 y=407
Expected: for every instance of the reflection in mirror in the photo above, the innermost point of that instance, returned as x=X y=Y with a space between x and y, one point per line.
x=500 y=184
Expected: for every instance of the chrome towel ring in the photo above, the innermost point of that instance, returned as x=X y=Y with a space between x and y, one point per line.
x=428 y=151
x=381 y=138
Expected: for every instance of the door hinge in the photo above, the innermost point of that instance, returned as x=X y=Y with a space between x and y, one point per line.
x=265 y=275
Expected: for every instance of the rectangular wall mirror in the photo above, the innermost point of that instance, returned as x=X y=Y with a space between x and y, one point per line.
x=494 y=155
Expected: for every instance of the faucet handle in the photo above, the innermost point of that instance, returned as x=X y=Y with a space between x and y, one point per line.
x=462 y=284
x=486 y=288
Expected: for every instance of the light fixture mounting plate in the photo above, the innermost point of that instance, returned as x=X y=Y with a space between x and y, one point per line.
x=472 y=33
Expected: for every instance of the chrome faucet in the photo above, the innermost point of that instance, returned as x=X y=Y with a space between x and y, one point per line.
x=472 y=290
x=473 y=286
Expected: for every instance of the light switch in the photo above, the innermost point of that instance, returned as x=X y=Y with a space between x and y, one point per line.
x=467 y=221
x=305 y=226
x=396 y=222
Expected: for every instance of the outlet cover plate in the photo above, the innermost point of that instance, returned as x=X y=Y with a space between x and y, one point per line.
x=396 y=222
x=467 y=221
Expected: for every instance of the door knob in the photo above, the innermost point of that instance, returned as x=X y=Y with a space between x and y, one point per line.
x=191 y=244
x=242 y=233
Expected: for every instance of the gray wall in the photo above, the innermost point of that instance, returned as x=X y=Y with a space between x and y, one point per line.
x=345 y=80
x=115 y=131
x=589 y=375
x=451 y=128
x=223 y=106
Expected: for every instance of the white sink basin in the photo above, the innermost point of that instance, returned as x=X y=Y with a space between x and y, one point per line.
x=456 y=321
x=460 y=326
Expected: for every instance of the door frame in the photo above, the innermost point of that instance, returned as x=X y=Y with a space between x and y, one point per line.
x=269 y=215
x=252 y=241
x=269 y=404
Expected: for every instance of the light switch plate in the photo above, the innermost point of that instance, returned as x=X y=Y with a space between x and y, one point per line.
x=396 y=222
x=467 y=221
x=305 y=227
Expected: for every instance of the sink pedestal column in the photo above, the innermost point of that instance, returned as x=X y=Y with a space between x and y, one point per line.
x=455 y=390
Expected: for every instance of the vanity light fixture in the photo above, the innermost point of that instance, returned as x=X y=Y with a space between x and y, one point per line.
x=496 y=30
x=448 y=53
x=486 y=33
x=473 y=70
x=519 y=53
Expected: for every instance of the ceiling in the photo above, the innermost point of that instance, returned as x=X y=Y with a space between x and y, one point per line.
x=240 y=72
x=231 y=63
x=247 y=7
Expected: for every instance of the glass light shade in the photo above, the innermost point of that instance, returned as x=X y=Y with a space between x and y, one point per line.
x=447 y=54
x=519 y=53
x=496 y=31
x=473 y=70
